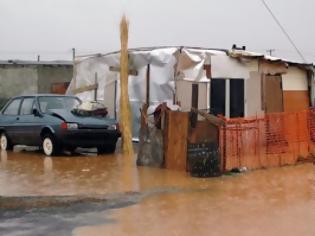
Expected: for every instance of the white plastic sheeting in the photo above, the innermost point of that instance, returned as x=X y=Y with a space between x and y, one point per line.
x=167 y=65
x=162 y=86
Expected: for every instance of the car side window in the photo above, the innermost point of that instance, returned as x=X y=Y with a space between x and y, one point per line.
x=27 y=106
x=13 y=108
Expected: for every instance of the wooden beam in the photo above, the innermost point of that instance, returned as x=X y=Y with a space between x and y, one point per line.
x=95 y=90
x=148 y=86
x=207 y=68
x=211 y=118
x=130 y=71
x=85 y=88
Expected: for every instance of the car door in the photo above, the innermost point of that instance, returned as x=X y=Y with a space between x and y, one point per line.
x=10 y=116
x=28 y=124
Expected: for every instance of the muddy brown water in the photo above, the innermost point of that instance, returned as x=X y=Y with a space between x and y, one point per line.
x=279 y=201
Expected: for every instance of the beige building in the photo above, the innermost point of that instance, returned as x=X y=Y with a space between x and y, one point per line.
x=29 y=77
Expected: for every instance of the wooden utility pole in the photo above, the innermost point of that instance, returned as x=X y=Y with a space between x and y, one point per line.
x=144 y=129
x=125 y=110
x=73 y=54
x=271 y=51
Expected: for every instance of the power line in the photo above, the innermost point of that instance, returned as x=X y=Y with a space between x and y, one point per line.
x=283 y=30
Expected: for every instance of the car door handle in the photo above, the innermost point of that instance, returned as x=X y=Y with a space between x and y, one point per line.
x=17 y=118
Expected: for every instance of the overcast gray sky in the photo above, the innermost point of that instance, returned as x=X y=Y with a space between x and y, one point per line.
x=52 y=27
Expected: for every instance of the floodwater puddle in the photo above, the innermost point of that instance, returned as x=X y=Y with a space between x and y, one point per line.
x=110 y=195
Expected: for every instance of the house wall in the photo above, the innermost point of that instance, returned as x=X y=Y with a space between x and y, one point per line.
x=17 y=80
x=47 y=75
x=294 y=85
x=295 y=90
x=225 y=67
x=253 y=95
x=294 y=80
x=274 y=68
x=184 y=94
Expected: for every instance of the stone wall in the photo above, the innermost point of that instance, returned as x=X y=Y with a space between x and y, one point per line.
x=18 y=79
x=47 y=75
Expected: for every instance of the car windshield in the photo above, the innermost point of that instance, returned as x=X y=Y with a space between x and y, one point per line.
x=49 y=103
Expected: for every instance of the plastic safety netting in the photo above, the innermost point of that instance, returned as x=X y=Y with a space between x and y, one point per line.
x=272 y=140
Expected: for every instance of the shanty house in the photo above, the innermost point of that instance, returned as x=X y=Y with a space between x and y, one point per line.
x=232 y=83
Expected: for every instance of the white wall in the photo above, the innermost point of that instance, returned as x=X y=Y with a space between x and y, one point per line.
x=184 y=90
x=295 y=80
x=223 y=66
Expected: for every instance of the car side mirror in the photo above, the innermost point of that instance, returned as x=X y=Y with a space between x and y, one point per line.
x=36 y=112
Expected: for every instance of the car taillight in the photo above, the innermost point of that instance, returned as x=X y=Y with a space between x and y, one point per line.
x=117 y=127
x=64 y=125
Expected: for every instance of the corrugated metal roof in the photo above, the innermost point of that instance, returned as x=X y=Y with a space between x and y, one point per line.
x=249 y=54
x=232 y=53
x=22 y=62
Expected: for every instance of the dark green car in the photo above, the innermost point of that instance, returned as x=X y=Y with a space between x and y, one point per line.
x=49 y=121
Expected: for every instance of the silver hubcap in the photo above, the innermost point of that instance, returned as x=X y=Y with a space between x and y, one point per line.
x=3 y=142
x=48 y=146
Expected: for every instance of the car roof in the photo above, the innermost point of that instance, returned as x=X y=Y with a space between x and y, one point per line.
x=43 y=95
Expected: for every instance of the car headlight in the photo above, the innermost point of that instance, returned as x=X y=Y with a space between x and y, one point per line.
x=72 y=125
x=112 y=127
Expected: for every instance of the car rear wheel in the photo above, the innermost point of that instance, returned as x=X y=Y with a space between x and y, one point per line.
x=50 y=145
x=5 y=143
x=109 y=148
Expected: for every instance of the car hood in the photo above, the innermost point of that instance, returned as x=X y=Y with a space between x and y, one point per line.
x=83 y=121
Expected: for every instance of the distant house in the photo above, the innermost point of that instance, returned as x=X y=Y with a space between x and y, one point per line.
x=28 y=77
x=233 y=83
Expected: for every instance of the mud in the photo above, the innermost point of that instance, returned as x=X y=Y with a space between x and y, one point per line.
x=110 y=195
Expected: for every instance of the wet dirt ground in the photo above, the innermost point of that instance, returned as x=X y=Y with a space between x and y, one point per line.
x=110 y=195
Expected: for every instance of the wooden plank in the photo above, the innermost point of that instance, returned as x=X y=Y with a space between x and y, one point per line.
x=176 y=130
x=273 y=94
x=207 y=68
x=205 y=132
x=85 y=88
x=194 y=103
x=130 y=71
x=211 y=118
x=295 y=101
x=148 y=85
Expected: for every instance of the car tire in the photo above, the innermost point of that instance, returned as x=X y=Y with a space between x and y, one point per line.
x=5 y=143
x=50 y=145
x=106 y=149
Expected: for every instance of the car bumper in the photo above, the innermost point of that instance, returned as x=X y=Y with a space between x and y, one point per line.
x=88 y=137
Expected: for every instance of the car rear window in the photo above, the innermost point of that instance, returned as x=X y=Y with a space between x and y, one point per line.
x=50 y=103
x=13 y=108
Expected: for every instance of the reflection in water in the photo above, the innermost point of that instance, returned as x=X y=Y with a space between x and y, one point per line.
x=48 y=164
x=3 y=157
x=278 y=201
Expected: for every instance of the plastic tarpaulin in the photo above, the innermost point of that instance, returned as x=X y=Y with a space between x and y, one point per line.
x=167 y=65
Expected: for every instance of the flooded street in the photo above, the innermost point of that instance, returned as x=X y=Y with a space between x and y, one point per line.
x=147 y=201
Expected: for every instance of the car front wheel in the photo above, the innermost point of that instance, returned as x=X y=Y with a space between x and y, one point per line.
x=5 y=143
x=50 y=145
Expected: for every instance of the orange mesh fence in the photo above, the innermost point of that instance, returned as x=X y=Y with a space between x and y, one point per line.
x=268 y=141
